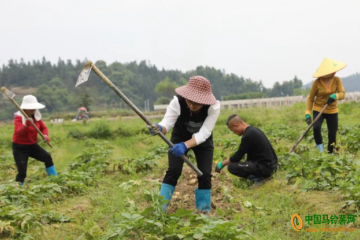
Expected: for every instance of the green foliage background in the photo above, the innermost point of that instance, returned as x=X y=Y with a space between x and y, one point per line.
x=54 y=84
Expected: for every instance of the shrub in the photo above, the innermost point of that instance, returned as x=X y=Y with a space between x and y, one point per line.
x=100 y=130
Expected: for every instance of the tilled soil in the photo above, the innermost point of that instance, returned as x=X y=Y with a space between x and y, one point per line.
x=184 y=195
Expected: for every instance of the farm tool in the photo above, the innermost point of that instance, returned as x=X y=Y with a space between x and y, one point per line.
x=11 y=96
x=84 y=76
x=308 y=128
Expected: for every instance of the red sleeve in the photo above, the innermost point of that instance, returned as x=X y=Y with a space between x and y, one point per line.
x=19 y=129
x=43 y=128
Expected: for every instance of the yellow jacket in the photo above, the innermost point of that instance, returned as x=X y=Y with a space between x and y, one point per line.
x=322 y=93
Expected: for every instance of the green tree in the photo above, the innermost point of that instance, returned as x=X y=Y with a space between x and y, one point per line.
x=182 y=81
x=55 y=99
x=166 y=88
x=163 y=100
x=56 y=82
x=297 y=82
x=301 y=92
x=287 y=88
x=85 y=101
x=44 y=95
x=277 y=90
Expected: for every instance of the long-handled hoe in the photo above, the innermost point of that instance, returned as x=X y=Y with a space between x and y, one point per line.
x=11 y=96
x=84 y=76
x=308 y=128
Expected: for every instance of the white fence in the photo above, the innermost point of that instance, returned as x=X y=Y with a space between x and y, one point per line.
x=270 y=102
x=57 y=120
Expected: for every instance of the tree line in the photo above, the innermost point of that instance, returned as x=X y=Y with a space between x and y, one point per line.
x=55 y=84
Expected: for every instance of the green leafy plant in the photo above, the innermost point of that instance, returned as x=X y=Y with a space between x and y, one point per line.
x=101 y=130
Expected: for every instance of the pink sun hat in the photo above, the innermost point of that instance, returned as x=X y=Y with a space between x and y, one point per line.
x=197 y=90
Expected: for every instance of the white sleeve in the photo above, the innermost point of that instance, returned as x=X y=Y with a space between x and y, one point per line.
x=209 y=124
x=171 y=115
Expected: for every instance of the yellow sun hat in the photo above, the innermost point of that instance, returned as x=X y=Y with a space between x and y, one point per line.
x=328 y=66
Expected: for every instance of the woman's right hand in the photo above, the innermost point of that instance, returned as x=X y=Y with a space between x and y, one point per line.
x=219 y=166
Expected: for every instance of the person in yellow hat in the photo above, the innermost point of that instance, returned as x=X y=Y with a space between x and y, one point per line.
x=326 y=89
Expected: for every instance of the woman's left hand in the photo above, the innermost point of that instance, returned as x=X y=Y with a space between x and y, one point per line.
x=47 y=139
x=331 y=99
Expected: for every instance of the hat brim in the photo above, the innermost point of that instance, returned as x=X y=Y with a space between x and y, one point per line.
x=328 y=66
x=196 y=96
x=32 y=106
x=328 y=73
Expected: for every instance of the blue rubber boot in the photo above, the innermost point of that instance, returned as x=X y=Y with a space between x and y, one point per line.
x=203 y=199
x=21 y=184
x=167 y=191
x=320 y=147
x=51 y=171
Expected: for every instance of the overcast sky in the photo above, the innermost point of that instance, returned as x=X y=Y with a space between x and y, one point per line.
x=268 y=40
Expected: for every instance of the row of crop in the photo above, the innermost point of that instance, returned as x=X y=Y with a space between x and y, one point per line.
x=18 y=211
x=152 y=223
x=102 y=130
x=324 y=172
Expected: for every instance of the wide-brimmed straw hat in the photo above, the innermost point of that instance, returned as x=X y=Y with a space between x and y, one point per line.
x=328 y=66
x=197 y=90
x=30 y=102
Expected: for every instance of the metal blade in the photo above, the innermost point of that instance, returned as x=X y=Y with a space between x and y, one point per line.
x=8 y=93
x=84 y=75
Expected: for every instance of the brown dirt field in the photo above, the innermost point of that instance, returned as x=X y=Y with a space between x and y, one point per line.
x=20 y=92
x=184 y=195
x=23 y=91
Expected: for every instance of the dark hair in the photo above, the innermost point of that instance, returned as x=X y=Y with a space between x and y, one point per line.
x=234 y=117
x=230 y=118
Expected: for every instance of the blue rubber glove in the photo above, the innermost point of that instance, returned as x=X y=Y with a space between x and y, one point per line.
x=331 y=99
x=308 y=119
x=154 y=129
x=219 y=166
x=178 y=149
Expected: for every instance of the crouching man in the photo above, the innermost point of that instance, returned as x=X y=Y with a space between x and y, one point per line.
x=261 y=160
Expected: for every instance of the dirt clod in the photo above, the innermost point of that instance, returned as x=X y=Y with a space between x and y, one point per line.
x=184 y=195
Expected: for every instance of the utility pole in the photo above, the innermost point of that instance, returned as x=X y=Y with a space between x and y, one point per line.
x=147 y=105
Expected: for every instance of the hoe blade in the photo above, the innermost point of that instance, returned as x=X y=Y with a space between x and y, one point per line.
x=7 y=92
x=84 y=75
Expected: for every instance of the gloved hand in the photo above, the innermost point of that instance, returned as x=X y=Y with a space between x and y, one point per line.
x=331 y=99
x=308 y=119
x=154 y=129
x=28 y=122
x=219 y=166
x=47 y=139
x=178 y=149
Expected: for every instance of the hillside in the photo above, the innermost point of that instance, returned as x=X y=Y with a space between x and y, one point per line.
x=351 y=83
x=54 y=84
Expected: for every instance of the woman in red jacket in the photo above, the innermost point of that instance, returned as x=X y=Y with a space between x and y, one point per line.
x=25 y=139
